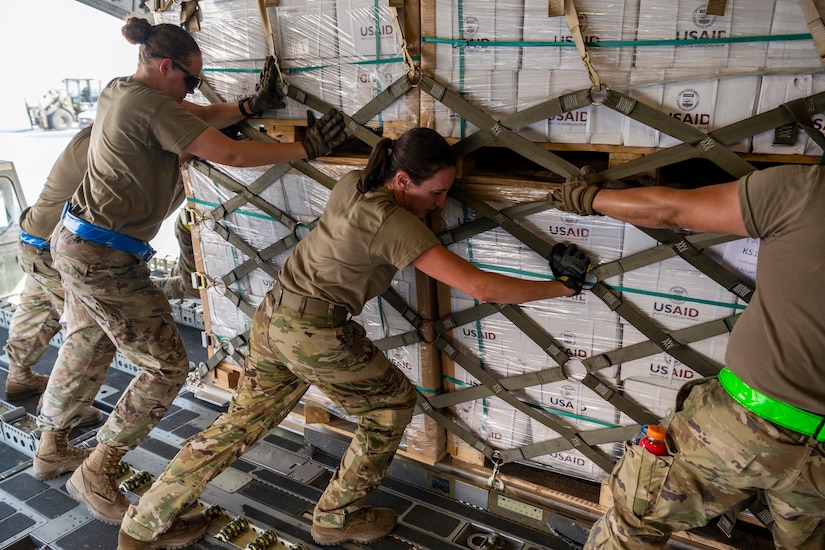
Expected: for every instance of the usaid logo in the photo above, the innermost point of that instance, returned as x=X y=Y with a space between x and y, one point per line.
x=471 y=26
x=582 y=22
x=688 y=99
x=678 y=291
x=701 y=18
x=568 y=338
x=568 y=391
x=677 y=310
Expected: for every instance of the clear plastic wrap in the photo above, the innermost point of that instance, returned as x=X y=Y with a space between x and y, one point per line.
x=705 y=70
x=504 y=57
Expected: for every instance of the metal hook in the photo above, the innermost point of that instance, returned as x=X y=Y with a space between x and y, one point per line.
x=602 y=89
x=494 y=482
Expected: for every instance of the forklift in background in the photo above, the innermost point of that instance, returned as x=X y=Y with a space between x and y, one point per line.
x=58 y=108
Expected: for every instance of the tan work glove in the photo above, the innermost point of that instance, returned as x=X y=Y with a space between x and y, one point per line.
x=325 y=134
x=577 y=192
x=270 y=89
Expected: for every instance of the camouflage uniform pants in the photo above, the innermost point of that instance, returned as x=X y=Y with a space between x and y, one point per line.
x=109 y=296
x=37 y=319
x=288 y=352
x=722 y=455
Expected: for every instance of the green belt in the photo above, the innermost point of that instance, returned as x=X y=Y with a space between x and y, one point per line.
x=771 y=409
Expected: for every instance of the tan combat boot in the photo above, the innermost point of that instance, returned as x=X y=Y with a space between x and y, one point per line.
x=94 y=484
x=55 y=456
x=182 y=533
x=22 y=382
x=364 y=526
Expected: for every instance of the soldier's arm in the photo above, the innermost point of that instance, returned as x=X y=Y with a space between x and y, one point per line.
x=706 y=209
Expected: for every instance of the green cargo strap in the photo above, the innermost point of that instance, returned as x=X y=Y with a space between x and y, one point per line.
x=261 y=257
x=533 y=331
x=399 y=340
x=815 y=24
x=702 y=262
x=773 y=410
x=511 y=383
x=575 y=441
x=689 y=335
x=396 y=301
x=801 y=111
x=667 y=342
x=533 y=241
x=609 y=394
x=220 y=354
x=726 y=136
x=239 y=302
x=244 y=247
x=657 y=254
x=461 y=318
x=480 y=225
x=423 y=406
x=488 y=124
x=543 y=111
x=709 y=147
x=321 y=106
x=240 y=189
x=551 y=348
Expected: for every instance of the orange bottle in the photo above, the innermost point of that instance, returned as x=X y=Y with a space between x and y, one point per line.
x=654 y=441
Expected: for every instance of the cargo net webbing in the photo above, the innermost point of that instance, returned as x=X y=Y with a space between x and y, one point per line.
x=506 y=395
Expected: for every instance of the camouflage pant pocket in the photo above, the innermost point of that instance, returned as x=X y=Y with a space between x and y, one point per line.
x=641 y=477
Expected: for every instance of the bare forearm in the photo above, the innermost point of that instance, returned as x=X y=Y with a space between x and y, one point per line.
x=646 y=207
x=258 y=153
x=709 y=208
x=486 y=286
x=218 y=115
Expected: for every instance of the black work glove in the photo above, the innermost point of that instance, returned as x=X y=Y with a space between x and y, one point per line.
x=270 y=89
x=577 y=192
x=325 y=134
x=569 y=266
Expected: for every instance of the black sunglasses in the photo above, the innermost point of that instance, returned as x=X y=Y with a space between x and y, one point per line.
x=192 y=82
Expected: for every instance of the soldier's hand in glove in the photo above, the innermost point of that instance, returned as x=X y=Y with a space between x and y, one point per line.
x=569 y=266
x=325 y=134
x=270 y=89
x=577 y=192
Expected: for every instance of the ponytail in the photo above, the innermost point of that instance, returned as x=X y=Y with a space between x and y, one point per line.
x=420 y=152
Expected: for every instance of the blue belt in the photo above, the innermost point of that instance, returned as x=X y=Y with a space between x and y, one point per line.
x=36 y=242
x=106 y=237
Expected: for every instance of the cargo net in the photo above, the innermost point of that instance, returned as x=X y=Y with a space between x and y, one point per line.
x=559 y=383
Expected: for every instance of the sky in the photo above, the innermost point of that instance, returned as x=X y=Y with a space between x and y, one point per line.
x=44 y=41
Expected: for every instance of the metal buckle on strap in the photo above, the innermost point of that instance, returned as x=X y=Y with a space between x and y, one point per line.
x=773 y=410
x=106 y=237
x=36 y=242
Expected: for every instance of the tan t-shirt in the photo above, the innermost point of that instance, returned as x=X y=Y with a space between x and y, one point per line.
x=778 y=345
x=133 y=158
x=61 y=183
x=359 y=244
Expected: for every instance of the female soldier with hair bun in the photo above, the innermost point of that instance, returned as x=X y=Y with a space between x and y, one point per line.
x=302 y=335
x=142 y=129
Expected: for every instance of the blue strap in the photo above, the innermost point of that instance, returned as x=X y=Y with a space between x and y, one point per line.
x=106 y=237
x=36 y=242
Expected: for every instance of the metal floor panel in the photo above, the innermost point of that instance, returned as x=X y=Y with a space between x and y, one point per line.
x=274 y=485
